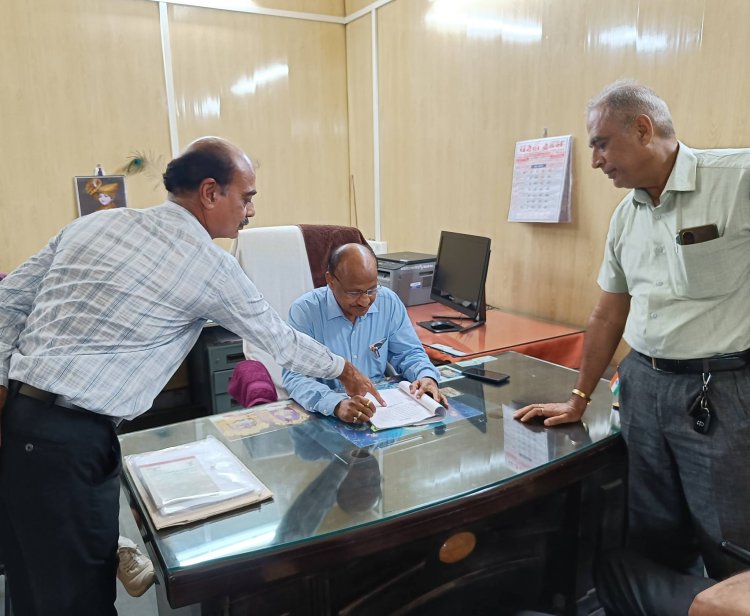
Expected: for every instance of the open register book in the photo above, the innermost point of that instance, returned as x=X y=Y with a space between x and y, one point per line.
x=404 y=409
x=193 y=481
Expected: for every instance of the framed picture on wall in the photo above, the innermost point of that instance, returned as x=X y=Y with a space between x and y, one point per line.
x=95 y=193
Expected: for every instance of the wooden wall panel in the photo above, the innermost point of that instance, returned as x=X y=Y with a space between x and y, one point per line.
x=277 y=88
x=460 y=84
x=359 y=81
x=80 y=83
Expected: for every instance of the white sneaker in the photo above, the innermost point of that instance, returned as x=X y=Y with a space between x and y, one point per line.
x=135 y=570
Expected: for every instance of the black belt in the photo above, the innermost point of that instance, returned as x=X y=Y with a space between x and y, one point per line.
x=48 y=397
x=717 y=363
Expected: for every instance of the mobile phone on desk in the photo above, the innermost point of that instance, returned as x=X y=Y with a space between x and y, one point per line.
x=489 y=376
x=697 y=235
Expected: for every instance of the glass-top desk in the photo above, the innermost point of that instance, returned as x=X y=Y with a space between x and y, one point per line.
x=444 y=516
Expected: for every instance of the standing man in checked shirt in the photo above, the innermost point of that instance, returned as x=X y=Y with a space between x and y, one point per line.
x=91 y=329
x=368 y=325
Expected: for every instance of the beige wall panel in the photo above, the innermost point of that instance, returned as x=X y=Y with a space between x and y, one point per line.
x=81 y=83
x=458 y=89
x=277 y=88
x=321 y=7
x=359 y=79
x=352 y=6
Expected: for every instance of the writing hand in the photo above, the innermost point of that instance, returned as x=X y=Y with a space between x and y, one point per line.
x=355 y=409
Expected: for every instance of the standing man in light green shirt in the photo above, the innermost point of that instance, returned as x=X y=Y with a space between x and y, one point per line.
x=676 y=283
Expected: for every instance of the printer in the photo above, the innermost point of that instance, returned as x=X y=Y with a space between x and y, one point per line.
x=408 y=275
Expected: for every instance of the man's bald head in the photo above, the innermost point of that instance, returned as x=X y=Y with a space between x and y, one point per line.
x=352 y=257
x=352 y=276
x=207 y=157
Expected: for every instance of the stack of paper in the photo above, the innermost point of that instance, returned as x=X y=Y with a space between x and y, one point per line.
x=193 y=481
x=404 y=409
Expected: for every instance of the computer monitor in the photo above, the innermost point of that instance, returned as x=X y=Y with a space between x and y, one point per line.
x=459 y=280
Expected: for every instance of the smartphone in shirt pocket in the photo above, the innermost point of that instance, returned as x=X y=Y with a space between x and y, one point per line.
x=697 y=235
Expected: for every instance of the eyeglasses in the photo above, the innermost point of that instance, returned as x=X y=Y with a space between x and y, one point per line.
x=371 y=293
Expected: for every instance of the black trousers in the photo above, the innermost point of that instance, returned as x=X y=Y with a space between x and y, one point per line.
x=686 y=491
x=629 y=584
x=59 y=506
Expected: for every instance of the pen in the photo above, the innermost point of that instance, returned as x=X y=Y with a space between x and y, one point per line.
x=375 y=347
x=738 y=552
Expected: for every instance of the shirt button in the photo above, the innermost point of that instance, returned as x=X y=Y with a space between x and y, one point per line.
x=658 y=217
x=659 y=283
x=354 y=357
x=29 y=447
x=653 y=315
x=659 y=249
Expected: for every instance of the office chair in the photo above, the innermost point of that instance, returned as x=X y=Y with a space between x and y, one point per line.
x=285 y=262
x=275 y=259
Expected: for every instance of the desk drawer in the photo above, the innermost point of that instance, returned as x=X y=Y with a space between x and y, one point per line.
x=224 y=403
x=222 y=400
x=221 y=381
x=222 y=357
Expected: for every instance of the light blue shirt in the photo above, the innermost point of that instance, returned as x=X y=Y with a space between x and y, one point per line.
x=386 y=323
x=107 y=311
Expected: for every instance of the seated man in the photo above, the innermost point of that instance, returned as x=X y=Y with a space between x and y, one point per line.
x=365 y=324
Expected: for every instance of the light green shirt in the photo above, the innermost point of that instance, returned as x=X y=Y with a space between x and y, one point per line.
x=687 y=301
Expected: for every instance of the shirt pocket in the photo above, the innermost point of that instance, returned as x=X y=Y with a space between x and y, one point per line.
x=709 y=269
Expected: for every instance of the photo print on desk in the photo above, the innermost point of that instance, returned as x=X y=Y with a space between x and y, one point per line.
x=264 y=418
x=95 y=193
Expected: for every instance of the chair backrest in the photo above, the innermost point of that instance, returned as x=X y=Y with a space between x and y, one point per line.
x=275 y=259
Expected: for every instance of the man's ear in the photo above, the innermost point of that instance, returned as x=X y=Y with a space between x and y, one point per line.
x=644 y=129
x=329 y=279
x=207 y=192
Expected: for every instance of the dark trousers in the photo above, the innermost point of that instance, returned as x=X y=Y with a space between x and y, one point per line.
x=59 y=506
x=686 y=491
x=629 y=584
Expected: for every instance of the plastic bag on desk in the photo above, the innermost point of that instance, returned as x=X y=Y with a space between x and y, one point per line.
x=193 y=475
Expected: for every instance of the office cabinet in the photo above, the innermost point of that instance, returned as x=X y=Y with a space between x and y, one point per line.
x=212 y=362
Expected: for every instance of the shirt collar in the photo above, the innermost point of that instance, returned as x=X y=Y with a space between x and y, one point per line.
x=333 y=310
x=186 y=215
x=682 y=178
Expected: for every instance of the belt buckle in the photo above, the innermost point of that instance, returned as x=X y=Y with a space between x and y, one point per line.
x=653 y=363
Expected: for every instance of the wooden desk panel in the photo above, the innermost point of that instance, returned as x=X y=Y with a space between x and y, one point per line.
x=561 y=344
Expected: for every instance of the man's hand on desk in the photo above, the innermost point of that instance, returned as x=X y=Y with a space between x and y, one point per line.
x=430 y=387
x=553 y=412
x=357 y=384
x=356 y=409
